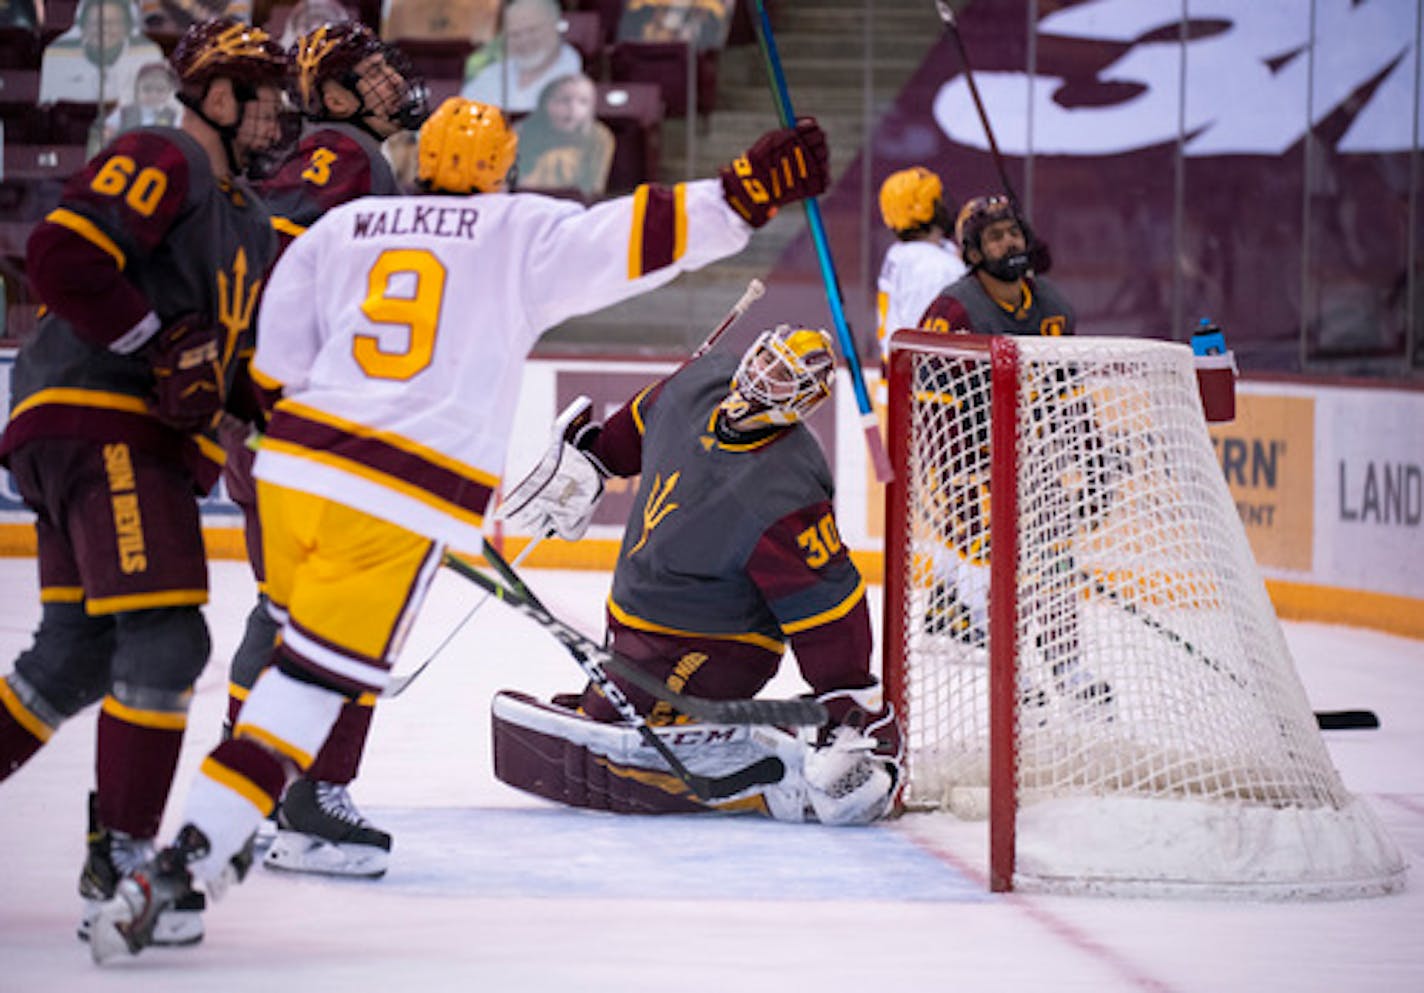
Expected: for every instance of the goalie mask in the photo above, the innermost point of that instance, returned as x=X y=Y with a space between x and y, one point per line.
x=466 y=147
x=782 y=378
x=976 y=216
x=911 y=200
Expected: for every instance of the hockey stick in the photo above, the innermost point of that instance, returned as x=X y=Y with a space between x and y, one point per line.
x=513 y=591
x=1040 y=258
x=874 y=443
x=1133 y=610
x=1326 y=720
x=589 y=657
x=1347 y=720
x=400 y=684
x=754 y=291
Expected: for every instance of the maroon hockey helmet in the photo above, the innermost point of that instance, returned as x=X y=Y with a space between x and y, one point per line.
x=225 y=47
x=976 y=215
x=333 y=52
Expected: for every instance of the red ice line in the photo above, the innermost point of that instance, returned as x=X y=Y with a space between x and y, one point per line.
x=1068 y=933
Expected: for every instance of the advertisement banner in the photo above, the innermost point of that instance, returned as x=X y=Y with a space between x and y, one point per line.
x=1267 y=455
x=1369 y=491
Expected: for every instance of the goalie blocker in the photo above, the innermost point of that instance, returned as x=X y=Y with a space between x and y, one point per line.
x=560 y=754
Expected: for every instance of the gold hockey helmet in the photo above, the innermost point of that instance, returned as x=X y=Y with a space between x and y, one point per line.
x=466 y=147
x=910 y=198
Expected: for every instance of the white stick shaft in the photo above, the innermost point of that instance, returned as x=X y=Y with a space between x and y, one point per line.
x=754 y=291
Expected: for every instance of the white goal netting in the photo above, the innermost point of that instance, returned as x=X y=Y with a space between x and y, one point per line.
x=1158 y=736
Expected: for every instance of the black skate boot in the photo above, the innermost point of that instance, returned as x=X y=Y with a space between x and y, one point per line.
x=111 y=856
x=320 y=830
x=127 y=922
x=947 y=615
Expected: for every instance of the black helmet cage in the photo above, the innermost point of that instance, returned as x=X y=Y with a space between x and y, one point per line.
x=332 y=52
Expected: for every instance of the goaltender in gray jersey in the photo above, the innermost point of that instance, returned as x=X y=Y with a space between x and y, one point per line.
x=705 y=510
x=731 y=553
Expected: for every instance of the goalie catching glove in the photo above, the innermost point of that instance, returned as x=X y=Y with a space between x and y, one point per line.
x=853 y=769
x=559 y=494
x=781 y=167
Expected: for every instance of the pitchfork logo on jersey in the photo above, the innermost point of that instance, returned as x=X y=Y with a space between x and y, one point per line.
x=657 y=507
x=237 y=299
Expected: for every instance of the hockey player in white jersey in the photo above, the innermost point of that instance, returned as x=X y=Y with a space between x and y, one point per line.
x=924 y=258
x=393 y=332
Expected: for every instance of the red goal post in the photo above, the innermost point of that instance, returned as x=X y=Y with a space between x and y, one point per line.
x=1110 y=687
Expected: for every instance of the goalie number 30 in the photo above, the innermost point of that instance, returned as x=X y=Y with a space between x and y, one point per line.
x=405 y=287
x=820 y=541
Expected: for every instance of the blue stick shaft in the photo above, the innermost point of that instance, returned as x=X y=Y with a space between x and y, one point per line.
x=787 y=117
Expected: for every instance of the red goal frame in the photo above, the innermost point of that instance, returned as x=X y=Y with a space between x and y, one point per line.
x=1003 y=513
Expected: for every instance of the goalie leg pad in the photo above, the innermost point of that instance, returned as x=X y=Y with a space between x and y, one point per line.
x=561 y=755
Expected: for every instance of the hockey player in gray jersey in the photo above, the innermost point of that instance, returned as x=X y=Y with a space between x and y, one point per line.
x=999 y=296
x=150 y=268
x=731 y=553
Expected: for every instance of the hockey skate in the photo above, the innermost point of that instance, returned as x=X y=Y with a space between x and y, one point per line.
x=319 y=830
x=1084 y=694
x=128 y=922
x=1072 y=678
x=112 y=855
x=947 y=615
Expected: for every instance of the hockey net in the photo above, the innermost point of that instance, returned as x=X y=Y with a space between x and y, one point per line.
x=1110 y=687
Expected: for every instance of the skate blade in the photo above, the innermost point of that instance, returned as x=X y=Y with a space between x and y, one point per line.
x=173 y=929
x=107 y=934
x=262 y=839
x=291 y=851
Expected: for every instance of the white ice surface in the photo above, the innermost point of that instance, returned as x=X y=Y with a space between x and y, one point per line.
x=490 y=890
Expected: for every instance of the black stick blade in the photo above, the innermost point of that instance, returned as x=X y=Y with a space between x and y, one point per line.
x=763 y=772
x=1347 y=720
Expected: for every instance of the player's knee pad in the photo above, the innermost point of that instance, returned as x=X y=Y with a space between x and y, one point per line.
x=68 y=666
x=27 y=705
x=562 y=755
x=289 y=717
x=162 y=649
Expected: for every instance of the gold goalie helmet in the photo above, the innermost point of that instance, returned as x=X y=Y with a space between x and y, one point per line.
x=911 y=199
x=782 y=378
x=466 y=147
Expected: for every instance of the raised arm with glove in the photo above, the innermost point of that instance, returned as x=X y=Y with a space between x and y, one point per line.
x=781 y=167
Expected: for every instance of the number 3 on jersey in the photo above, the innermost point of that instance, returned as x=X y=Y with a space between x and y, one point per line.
x=318 y=170
x=405 y=287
